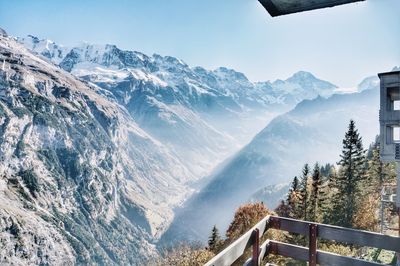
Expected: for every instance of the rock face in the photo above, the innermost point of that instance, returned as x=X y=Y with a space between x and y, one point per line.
x=80 y=182
x=3 y=33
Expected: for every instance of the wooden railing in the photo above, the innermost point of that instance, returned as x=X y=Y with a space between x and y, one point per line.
x=313 y=230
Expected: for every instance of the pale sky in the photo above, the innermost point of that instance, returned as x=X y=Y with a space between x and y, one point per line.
x=342 y=44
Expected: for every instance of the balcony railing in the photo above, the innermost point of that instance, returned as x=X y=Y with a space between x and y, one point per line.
x=311 y=254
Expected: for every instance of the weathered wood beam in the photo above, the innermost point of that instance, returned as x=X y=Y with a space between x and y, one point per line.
x=323 y=257
x=337 y=233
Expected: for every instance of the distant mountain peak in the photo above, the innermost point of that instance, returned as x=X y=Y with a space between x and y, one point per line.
x=301 y=75
x=230 y=73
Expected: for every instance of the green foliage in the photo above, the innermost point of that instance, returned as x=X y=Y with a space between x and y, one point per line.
x=349 y=180
x=316 y=184
x=380 y=173
x=214 y=241
x=294 y=199
x=30 y=180
x=303 y=189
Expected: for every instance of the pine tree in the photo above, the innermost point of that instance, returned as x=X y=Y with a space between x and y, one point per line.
x=283 y=209
x=314 y=193
x=303 y=191
x=214 y=241
x=350 y=177
x=379 y=173
x=293 y=199
x=325 y=196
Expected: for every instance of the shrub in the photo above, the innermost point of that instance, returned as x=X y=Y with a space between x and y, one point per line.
x=184 y=255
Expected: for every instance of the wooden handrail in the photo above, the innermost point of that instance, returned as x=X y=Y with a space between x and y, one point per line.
x=337 y=233
x=313 y=230
x=322 y=257
x=230 y=254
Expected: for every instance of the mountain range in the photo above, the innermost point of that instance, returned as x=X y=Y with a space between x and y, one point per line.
x=213 y=112
x=100 y=146
x=311 y=132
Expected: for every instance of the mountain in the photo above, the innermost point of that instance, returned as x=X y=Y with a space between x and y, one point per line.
x=214 y=113
x=46 y=48
x=312 y=131
x=80 y=181
x=271 y=195
x=100 y=146
x=302 y=85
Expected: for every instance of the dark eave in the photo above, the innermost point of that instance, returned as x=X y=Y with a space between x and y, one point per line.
x=283 y=7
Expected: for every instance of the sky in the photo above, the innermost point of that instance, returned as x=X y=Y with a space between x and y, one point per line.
x=343 y=44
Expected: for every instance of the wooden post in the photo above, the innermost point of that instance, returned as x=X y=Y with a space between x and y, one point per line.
x=256 y=247
x=312 y=245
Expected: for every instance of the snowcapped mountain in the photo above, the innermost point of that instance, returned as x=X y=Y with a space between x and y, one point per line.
x=302 y=85
x=100 y=145
x=46 y=48
x=214 y=112
x=311 y=132
x=80 y=181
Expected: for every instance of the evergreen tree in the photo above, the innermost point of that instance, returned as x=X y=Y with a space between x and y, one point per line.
x=325 y=196
x=350 y=177
x=314 y=193
x=283 y=209
x=293 y=199
x=379 y=173
x=326 y=170
x=303 y=191
x=214 y=241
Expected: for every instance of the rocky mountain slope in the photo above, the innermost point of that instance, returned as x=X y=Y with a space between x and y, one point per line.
x=99 y=145
x=80 y=181
x=311 y=132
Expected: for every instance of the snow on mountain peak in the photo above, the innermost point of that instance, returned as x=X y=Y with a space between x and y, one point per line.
x=44 y=47
x=300 y=75
x=227 y=73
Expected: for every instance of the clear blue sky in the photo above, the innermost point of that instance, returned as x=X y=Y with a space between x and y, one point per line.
x=342 y=44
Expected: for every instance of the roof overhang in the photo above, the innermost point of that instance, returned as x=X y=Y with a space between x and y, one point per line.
x=283 y=7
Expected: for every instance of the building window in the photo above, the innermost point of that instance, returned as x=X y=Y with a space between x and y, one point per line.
x=396 y=134
x=396 y=105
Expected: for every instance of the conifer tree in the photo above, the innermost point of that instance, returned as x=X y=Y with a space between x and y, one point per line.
x=325 y=196
x=214 y=241
x=303 y=191
x=350 y=177
x=293 y=199
x=314 y=193
x=283 y=209
x=379 y=173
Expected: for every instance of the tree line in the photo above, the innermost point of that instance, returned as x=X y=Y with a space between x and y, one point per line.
x=346 y=195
